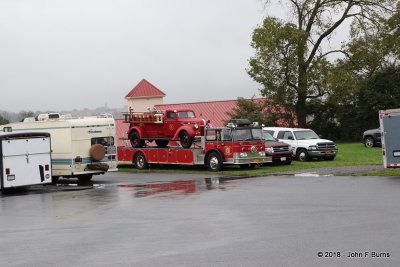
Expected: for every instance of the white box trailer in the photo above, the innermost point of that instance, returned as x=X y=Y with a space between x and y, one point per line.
x=25 y=159
x=390 y=132
x=81 y=147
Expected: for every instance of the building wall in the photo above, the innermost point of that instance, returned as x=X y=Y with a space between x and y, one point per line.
x=141 y=104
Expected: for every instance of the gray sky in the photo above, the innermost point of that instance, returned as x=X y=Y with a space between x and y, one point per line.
x=69 y=54
x=66 y=54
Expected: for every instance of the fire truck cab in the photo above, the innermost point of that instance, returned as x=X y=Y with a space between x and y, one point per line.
x=240 y=143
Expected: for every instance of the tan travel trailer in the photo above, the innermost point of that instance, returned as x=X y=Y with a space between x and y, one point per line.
x=81 y=147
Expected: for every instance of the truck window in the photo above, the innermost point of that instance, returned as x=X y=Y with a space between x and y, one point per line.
x=171 y=115
x=186 y=114
x=218 y=135
x=105 y=141
x=285 y=135
x=304 y=135
x=257 y=134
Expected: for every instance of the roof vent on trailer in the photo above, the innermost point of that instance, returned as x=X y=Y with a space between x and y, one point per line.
x=48 y=116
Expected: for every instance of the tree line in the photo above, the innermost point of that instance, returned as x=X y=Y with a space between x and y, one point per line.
x=336 y=91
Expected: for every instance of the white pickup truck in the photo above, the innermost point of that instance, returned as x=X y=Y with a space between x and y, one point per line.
x=305 y=142
x=25 y=159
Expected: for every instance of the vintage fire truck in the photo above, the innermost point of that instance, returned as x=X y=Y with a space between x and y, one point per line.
x=239 y=143
x=164 y=126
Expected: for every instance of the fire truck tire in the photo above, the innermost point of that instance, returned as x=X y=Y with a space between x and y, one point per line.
x=247 y=166
x=162 y=143
x=214 y=162
x=185 y=139
x=97 y=152
x=140 y=161
x=135 y=140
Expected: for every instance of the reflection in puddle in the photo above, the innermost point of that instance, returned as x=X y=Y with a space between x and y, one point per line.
x=168 y=188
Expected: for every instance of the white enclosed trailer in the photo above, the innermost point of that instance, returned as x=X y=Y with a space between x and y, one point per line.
x=25 y=159
x=390 y=131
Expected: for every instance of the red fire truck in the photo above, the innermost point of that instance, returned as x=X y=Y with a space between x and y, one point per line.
x=239 y=143
x=163 y=126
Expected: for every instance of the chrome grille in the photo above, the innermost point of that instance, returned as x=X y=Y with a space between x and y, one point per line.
x=326 y=146
x=281 y=149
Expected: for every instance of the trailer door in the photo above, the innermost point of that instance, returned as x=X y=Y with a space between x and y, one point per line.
x=390 y=125
x=26 y=161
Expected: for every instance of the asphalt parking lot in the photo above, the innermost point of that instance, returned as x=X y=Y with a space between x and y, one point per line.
x=133 y=219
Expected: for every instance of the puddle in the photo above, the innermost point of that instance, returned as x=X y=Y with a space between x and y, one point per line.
x=312 y=174
x=169 y=188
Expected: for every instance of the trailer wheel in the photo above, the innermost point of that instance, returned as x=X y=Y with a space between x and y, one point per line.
x=97 y=152
x=84 y=178
x=185 y=139
x=140 y=161
x=162 y=143
x=214 y=162
x=135 y=139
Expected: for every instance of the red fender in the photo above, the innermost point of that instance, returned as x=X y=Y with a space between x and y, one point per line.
x=188 y=128
x=138 y=129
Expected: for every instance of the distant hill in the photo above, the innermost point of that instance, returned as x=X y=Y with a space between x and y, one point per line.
x=116 y=112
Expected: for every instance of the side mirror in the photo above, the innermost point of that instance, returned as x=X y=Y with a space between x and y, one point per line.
x=290 y=137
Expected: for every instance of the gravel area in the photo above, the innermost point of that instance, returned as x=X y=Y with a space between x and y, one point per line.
x=346 y=170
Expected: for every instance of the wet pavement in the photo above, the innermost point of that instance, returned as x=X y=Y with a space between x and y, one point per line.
x=133 y=219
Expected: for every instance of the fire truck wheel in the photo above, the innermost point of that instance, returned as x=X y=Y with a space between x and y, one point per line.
x=140 y=161
x=135 y=140
x=162 y=143
x=247 y=166
x=185 y=139
x=302 y=155
x=214 y=162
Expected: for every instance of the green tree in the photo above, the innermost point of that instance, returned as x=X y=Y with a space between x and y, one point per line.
x=3 y=120
x=262 y=111
x=290 y=62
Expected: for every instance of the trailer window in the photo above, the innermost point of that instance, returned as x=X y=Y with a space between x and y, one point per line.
x=105 y=141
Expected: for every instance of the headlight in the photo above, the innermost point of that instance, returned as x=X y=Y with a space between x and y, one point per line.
x=290 y=148
x=269 y=150
x=261 y=153
x=243 y=154
x=312 y=147
x=196 y=126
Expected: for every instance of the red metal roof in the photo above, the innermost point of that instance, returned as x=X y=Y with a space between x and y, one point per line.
x=215 y=111
x=144 y=88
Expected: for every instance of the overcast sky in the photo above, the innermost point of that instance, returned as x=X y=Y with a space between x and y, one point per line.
x=66 y=54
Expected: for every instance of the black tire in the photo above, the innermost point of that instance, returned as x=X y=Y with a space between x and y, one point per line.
x=162 y=143
x=369 y=142
x=54 y=179
x=214 y=162
x=84 y=178
x=247 y=166
x=135 y=140
x=140 y=161
x=185 y=139
x=302 y=155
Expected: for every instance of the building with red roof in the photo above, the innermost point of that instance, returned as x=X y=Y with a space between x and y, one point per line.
x=143 y=96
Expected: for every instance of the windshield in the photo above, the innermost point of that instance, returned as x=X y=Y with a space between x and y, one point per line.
x=304 y=135
x=268 y=136
x=186 y=114
x=247 y=134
